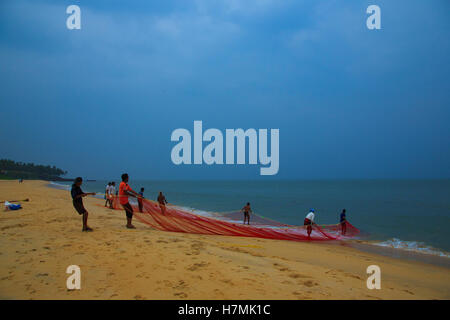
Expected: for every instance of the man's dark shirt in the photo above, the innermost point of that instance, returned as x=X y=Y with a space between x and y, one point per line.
x=75 y=192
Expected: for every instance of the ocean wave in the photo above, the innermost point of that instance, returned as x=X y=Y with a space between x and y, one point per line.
x=60 y=185
x=198 y=212
x=414 y=246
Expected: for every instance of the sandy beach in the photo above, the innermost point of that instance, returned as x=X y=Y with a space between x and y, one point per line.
x=40 y=241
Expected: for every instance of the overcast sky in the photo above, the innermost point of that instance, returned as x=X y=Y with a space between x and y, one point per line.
x=349 y=102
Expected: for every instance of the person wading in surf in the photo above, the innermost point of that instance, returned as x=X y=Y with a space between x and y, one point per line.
x=246 y=209
x=162 y=202
x=77 y=196
x=309 y=221
x=125 y=191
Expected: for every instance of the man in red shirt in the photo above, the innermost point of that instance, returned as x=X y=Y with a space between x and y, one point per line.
x=125 y=191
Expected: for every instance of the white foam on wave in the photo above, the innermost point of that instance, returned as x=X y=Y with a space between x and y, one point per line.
x=60 y=185
x=414 y=246
x=198 y=212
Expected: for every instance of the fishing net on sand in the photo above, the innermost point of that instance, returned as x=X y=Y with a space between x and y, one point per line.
x=176 y=219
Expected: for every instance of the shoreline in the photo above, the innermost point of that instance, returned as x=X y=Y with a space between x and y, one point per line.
x=360 y=244
x=41 y=240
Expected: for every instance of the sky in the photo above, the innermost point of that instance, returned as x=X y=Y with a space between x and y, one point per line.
x=349 y=102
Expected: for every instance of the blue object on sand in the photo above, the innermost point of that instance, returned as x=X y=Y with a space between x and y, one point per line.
x=15 y=207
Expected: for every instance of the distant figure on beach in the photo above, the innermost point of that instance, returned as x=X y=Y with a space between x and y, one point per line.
x=343 y=222
x=77 y=196
x=125 y=191
x=112 y=193
x=246 y=209
x=107 y=189
x=20 y=180
x=162 y=202
x=140 y=203
x=309 y=221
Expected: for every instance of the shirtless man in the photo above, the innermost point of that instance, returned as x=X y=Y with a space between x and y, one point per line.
x=246 y=209
x=162 y=202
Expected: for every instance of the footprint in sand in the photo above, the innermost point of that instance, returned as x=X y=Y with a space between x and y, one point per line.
x=195 y=266
x=299 y=295
x=298 y=275
x=353 y=276
x=281 y=267
x=227 y=281
x=42 y=275
x=217 y=291
x=181 y=285
x=181 y=295
x=310 y=283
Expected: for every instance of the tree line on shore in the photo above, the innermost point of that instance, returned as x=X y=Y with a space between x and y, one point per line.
x=10 y=169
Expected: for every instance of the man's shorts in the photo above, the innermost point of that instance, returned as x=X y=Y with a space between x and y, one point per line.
x=128 y=210
x=307 y=222
x=79 y=207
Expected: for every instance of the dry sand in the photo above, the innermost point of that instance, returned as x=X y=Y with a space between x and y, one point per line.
x=40 y=241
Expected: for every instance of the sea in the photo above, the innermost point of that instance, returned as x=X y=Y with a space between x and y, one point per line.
x=400 y=215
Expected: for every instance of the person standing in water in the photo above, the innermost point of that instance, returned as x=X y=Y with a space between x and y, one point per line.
x=125 y=191
x=140 y=203
x=162 y=202
x=309 y=221
x=77 y=197
x=343 y=222
x=246 y=209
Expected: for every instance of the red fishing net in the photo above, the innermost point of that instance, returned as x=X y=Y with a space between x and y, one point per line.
x=176 y=219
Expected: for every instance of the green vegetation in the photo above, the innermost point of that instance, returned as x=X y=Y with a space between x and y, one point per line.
x=10 y=169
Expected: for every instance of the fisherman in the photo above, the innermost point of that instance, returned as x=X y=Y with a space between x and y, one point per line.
x=162 y=202
x=343 y=222
x=309 y=221
x=246 y=209
x=77 y=196
x=125 y=191
x=107 y=189
x=140 y=203
x=112 y=192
